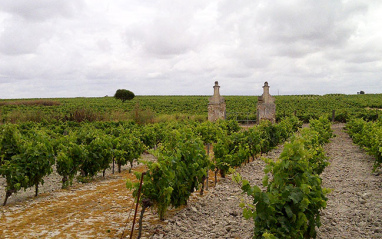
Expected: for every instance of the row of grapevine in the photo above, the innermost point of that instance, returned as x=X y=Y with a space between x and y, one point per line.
x=31 y=151
x=183 y=165
x=108 y=109
x=25 y=159
x=290 y=205
x=368 y=135
x=235 y=149
x=28 y=153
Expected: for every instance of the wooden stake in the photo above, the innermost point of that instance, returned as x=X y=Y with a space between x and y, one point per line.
x=136 y=207
x=208 y=155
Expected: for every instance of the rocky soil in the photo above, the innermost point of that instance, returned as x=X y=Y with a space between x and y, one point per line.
x=354 y=207
x=104 y=208
x=218 y=214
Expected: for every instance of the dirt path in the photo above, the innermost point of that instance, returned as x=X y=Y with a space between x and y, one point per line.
x=99 y=209
x=96 y=210
x=217 y=215
x=103 y=209
x=354 y=207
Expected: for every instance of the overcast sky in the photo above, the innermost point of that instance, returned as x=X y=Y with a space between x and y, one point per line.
x=73 y=48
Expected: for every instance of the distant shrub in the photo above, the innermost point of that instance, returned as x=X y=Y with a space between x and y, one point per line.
x=19 y=116
x=142 y=116
x=118 y=115
x=83 y=114
x=31 y=103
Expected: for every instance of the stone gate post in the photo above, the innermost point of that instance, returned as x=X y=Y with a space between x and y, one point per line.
x=216 y=105
x=266 y=107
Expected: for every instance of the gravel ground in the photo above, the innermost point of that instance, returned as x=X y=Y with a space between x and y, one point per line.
x=103 y=208
x=217 y=215
x=354 y=207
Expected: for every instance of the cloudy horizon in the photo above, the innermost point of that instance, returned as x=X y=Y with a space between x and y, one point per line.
x=91 y=48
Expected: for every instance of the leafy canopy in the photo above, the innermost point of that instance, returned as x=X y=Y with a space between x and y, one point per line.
x=124 y=95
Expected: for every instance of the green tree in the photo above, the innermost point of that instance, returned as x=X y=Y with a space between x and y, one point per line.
x=124 y=95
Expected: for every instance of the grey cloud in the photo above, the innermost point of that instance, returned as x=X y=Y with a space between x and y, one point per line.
x=104 y=45
x=365 y=57
x=238 y=74
x=28 y=24
x=253 y=57
x=41 y=10
x=91 y=48
x=293 y=50
x=311 y=22
x=292 y=28
x=173 y=29
x=162 y=38
x=365 y=53
x=21 y=37
x=50 y=64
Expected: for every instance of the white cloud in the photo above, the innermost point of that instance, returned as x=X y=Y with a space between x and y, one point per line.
x=93 y=47
x=41 y=10
x=22 y=37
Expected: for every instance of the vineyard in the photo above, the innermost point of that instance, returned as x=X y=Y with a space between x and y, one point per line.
x=164 y=108
x=83 y=140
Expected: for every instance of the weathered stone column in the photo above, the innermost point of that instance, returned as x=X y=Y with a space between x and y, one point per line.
x=266 y=107
x=216 y=105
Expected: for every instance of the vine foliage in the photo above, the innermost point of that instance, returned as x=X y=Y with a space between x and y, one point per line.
x=291 y=203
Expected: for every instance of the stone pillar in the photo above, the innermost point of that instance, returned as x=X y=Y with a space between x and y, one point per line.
x=266 y=107
x=216 y=105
